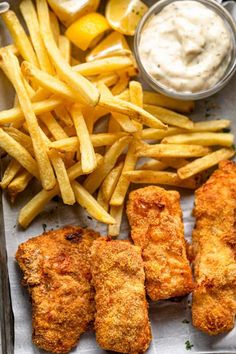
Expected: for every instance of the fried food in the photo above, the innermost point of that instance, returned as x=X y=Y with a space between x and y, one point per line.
x=57 y=274
x=214 y=239
x=156 y=224
x=121 y=320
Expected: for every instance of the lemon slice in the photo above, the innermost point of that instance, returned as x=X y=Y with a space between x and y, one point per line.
x=114 y=44
x=87 y=30
x=124 y=15
x=70 y=10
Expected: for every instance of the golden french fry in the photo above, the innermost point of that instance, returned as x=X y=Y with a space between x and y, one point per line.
x=88 y=159
x=73 y=144
x=85 y=89
x=114 y=104
x=125 y=95
x=16 y=114
x=122 y=186
x=21 y=138
x=65 y=47
x=125 y=122
x=172 y=150
x=19 y=37
x=101 y=201
x=45 y=169
x=64 y=116
x=53 y=126
x=210 y=125
x=108 y=79
x=113 y=125
x=94 y=180
x=203 y=138
x=18 y=152
x=109 y=184
x=157 y=99
x=67 y=193
x=86 y=200
x=204 y=163
x=12 y=169
x=55 y=27
x=121 y=84
x=105 y=65
x=116 y=212
x=158 y=134
x=18 y=184
x=175 y=163
x=169 y=117
x=30 y=16
x=49 y=82
x=38 y=202
x=40 y=95
x=154 y=165
x=13 y=48
x=160 y=177
x=136 y=93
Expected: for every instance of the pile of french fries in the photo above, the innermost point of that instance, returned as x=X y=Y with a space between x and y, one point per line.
x=50 y=133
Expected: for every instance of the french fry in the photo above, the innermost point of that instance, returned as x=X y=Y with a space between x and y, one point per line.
x=203 y=138
x=13 y=48
x=101 y=201
x=122 y=186
x=88 y=159
x=205 y=162
x=121 y=84
x=38 y=202
x=160 y=177
x=45 y=169
x=108 y=79
x=29 y=13
x=136 y=97
x=11 y=171
x=175 y=163
x=86 y=200
x=169 y=150
x=88 y=113
x=22 y=138
x=40 y=95
x=113 y=125
x=64 y=115
x=19 y=37
x=55 y=27
x=154 y=165
x=169 y=117
x=16 y=114
x=53 y=126
x=125 y=122
x=114 y=104
x=210 y=125
x=49 y=82
x=72 y=143
x=18 y=152
x=65 y=47
x=116 y=212
x=125 y=95
x=110 y=182
x=67 y=193
x=18 y=184
x=157 y=99
x=94 y=180
x=85 y=89
x=158 y=134
x=105 y=65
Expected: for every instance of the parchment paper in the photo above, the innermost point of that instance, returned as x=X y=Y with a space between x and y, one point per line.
x=168 y=318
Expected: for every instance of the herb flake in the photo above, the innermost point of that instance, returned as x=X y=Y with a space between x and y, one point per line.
x=188 y=345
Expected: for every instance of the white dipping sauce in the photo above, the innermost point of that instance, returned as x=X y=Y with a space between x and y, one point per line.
x=186 y=47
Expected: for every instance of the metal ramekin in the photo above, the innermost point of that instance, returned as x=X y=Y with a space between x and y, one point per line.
x=224 y=14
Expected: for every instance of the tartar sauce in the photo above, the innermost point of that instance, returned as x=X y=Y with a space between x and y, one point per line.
x=186 y=47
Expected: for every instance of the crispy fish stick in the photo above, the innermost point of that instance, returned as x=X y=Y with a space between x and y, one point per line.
x=156 y=224
x=214 y=240
x=121 y=320
x=57 y=274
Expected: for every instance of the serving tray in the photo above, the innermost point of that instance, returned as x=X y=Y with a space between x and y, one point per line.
x=171 y=320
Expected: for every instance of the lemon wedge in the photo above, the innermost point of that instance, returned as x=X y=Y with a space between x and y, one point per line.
x=114 y=44
x=124 y=15
x=70 y=10
x=87 y=30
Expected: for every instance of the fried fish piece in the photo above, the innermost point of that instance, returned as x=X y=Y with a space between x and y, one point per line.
x=121 y=320
x=56 y=271
x=214 y=247
x=156 y=224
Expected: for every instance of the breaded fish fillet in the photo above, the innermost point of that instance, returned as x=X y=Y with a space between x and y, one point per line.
x=56 y=270
x=156 y=224
x=214 y=247
x=121 y=320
